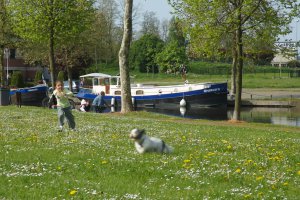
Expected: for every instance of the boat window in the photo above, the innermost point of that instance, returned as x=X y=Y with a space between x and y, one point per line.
x=139 y=92
x=114 y=81
x=96 y=82
x=118 y=92
x=106 y=81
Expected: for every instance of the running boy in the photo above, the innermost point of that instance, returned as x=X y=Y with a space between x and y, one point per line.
x=64 y=109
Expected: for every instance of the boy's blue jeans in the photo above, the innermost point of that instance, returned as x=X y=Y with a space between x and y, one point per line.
x=66 y=113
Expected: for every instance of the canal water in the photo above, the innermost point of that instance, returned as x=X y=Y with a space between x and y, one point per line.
x=280 y=116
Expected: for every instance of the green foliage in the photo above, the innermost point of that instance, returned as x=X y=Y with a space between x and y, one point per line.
x=175 y=32
x=34 y=19
x=212 y=159
x=17 y=79
x=51 y=24
x=143 y=53
x=38 y=76
x=61 y=76
x=294 y=64
x=172 y=56
x=212 y=25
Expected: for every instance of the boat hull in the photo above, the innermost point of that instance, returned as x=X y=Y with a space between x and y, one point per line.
x=215 y=95
x=32 y=96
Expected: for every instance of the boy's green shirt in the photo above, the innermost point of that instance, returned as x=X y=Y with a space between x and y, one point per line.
x=62 y=98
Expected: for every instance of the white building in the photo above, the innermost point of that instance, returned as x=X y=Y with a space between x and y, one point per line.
x=286 y=52
x=281 y=60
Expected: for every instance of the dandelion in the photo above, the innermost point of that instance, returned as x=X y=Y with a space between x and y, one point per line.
x=259 y=178
x=211 y=154
x=298 y=172
x=238 y=170
x=104 y=162
x=260 y=194
x=187 y=161
x=73 y=192
x=224 y=141
x=248 y=162
x=229 y=147
x=285 y=184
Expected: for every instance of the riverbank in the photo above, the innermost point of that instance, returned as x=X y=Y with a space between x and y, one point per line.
x=271 y=93
x=269 y=97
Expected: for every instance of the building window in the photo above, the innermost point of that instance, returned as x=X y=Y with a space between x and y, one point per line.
x=12 y=53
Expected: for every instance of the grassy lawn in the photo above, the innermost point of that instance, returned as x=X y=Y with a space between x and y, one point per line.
x=212 y=159
x=250 y=80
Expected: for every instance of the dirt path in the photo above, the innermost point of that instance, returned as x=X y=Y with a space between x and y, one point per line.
x=267 y=93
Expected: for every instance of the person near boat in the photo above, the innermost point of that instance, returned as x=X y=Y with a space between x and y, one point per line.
x=99 y=104
x=84 y=105
x=183 y=71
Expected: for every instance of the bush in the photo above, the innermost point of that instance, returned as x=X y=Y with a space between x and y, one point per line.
x=17 y=80
x=294 y=64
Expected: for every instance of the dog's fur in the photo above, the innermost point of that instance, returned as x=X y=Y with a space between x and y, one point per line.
x=144 y=144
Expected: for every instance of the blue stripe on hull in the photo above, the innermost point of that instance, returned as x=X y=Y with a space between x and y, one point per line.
x=215 y=95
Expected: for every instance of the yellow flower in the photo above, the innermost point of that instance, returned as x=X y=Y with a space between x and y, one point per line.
x=298 y=172
x=224 y=141
x=229 y=147
x=260 y=194
x=73 y=192
x=259 y=178
x=211 y=154
x=273 y=187
x=285 y=184
x=104 y=162
x=187 y=161
x=238 y=170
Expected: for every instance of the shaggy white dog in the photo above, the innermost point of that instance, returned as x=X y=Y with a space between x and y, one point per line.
x=143 y=143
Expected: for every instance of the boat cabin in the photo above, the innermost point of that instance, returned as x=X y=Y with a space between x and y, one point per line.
x=102 y=82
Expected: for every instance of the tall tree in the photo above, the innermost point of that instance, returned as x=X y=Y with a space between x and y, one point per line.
x=126 y=103
x=150 y=24
x=5 y=36
x=2 y=37
x=108 y=14
x=143 y=52
x=164 y=29
x=49 y=22
x=208 y=21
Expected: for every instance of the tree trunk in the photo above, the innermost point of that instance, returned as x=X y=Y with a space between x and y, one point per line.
x=126 y=103
x=2 y=66
x=238 y=97
x=2 y=32
x=51 y=51
x=70 y=78
x=51 y=60
x=233 y=70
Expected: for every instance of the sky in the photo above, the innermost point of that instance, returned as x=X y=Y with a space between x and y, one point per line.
x=295 y=34
x=160 y=7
